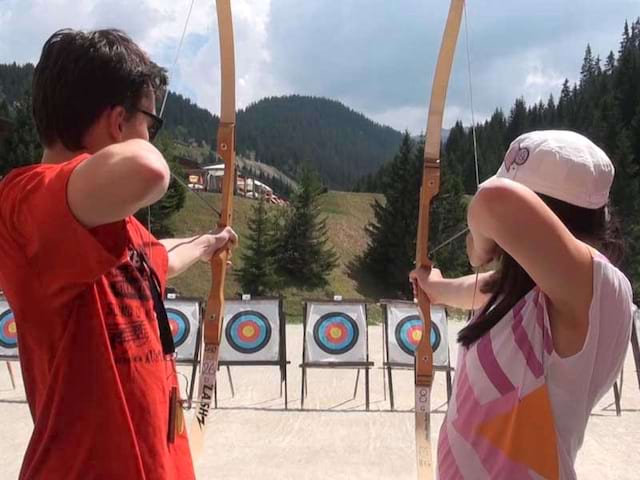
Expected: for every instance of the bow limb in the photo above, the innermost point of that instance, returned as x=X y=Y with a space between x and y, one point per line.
x=430 y=188
x=214 y=312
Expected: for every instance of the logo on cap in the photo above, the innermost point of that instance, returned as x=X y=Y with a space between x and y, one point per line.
x=517 y=157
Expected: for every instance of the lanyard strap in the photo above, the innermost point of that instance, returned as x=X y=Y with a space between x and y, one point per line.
x=166 y=337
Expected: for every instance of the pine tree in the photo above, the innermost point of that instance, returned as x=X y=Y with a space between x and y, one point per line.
x=22 y=146
x=392 y=233
x=257 y=274
x=304 y=254
x=589 y=67
x=390 y=254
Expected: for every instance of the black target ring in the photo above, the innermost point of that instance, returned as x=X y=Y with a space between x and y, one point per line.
x=408 y=332
x=336 y=333
x=180 y=326
x=248 y=332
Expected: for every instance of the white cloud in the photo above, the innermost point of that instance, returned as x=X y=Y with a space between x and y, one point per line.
x=412 y=118
x=373 y=56
x=198 y=69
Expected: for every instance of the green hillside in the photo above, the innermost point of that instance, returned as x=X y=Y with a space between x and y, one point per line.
x=347 y=214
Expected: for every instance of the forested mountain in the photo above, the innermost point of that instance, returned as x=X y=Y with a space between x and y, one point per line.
x=338 y=142
x=291 y=131
x=286 y=132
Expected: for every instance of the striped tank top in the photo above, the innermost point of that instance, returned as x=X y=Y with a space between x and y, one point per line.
x=508 y=417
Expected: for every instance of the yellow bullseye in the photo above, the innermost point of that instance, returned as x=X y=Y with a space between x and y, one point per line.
x=416 y=335
x=248 y=330
x=335 y=333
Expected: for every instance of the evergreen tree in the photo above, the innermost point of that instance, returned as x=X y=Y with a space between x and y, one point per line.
x=257 y=273
x=22 y=146
x=391 y=250
x=304 y=254
x=392 y=233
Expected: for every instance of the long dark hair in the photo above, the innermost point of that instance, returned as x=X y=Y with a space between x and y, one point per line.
x=510 y=282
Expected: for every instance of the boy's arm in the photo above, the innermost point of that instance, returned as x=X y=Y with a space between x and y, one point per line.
x=116 y=182
x=184 y=252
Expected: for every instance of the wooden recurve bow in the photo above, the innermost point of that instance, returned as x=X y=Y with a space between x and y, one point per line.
x=430 y=188
x=214 y=311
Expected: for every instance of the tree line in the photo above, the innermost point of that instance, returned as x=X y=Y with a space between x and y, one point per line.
x=603 y=105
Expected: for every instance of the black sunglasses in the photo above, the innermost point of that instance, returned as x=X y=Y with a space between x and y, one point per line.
x=156 y=124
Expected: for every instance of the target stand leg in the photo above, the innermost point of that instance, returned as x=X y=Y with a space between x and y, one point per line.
x=233 y=391
x=616 y=396
x=283 y=384
x=391 y=399
x=366 y=387
x=303 y=387
x=449 y=388
x=621 y=382
x=384 y=384
x=13 y=380
x=355 y=389
x=286 y=394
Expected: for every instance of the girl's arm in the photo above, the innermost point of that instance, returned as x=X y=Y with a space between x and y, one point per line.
x=506 y=214
x=463 y=292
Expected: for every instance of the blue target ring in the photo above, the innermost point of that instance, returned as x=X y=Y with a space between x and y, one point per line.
x=336 y=333
x=409 y=332
x=248 y=332
x=8 y=331
x=180 y=326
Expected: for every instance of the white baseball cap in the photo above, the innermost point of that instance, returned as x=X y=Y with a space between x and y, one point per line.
x=560 y=164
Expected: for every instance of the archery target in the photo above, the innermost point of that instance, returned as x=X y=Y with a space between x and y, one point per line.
x=404 y=331
x=251 y=331
x=184 y=317
x=248 y=332
x=336 y=332
x=180 y=326
x=408 y=333
x=8 y=331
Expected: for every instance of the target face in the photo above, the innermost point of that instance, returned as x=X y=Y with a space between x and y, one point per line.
x=409 y=332
x=248 y=332
x=8 y=330
x=180 y=326
x=336 y=333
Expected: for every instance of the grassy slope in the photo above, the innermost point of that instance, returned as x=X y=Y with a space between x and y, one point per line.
x=346 y=213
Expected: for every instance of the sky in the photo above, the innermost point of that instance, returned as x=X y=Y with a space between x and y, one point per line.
x=375 y=56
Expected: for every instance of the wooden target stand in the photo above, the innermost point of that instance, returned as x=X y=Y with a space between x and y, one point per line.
x=365 y=365
x=280 y=362
x=10 y=370
x=389 y=366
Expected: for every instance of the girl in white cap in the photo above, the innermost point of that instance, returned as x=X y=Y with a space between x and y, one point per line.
x=553 y=319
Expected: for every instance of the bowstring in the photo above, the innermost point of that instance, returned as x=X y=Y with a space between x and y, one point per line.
x=162 y=107
x=473 y=133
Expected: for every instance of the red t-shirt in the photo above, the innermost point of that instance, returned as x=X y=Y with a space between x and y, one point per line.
x=96 y=379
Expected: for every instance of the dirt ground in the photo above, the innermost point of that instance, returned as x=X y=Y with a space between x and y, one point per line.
x=252 y=436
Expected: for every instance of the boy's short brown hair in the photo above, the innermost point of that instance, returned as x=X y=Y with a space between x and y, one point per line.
x=80 y=74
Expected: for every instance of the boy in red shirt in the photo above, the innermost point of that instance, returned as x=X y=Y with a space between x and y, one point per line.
x=84 y=278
